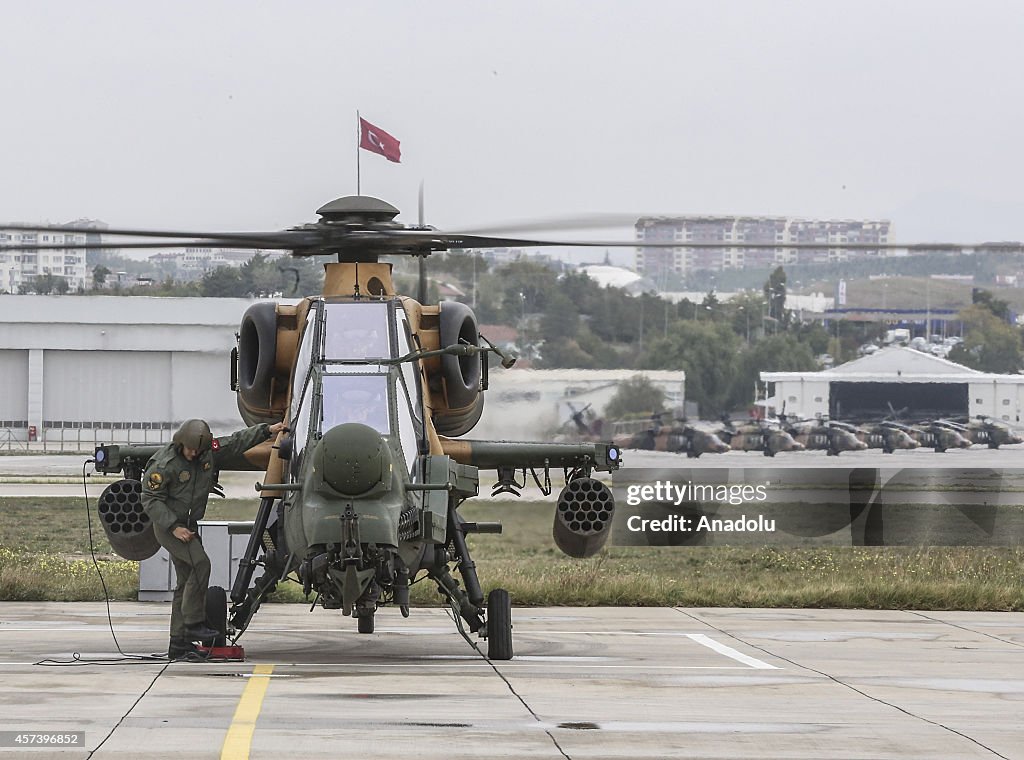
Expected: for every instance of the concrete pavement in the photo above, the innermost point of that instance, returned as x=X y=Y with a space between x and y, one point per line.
x=585 y=683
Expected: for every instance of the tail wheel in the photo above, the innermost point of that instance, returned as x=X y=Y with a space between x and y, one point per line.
x=364 y=623
x=499 y=625
x=217 y=613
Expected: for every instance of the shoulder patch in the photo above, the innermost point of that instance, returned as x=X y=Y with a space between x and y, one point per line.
x=215 y=445
x=206 y=466
x=155 y=481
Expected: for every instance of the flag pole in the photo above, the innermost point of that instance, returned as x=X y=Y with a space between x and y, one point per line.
x=421 y=292
x=358 y=137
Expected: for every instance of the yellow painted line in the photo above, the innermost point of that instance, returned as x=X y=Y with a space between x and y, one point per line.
x=239 y=739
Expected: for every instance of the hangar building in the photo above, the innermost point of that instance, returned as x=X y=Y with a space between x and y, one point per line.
x=927 y=386
x=80 y=370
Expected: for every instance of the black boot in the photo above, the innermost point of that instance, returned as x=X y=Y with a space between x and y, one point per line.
x=182 y=649
x=202 y=633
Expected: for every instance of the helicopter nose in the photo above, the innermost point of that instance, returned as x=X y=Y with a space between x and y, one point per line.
x=354 y=459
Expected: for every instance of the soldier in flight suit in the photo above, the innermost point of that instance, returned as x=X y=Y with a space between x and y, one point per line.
x=175 y=489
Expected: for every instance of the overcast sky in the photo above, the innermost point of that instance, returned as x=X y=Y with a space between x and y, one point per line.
x=231 y=115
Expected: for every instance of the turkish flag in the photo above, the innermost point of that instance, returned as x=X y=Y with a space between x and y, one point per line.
x=376 y=140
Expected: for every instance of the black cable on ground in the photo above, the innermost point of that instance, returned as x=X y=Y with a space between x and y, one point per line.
x=76 y=657
x=121 y=720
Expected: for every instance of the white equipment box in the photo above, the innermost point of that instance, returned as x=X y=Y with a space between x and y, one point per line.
x=225 y=544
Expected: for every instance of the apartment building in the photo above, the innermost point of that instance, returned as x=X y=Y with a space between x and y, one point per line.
x=20 y=268
x=735 y=231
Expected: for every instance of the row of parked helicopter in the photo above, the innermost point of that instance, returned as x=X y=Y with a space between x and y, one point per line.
x=786 y=433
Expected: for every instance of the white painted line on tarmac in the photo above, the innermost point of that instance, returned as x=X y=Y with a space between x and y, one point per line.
x=524 y=658
x=721 y=648
x=80 y=629
x=461 y=664
x=128 y=628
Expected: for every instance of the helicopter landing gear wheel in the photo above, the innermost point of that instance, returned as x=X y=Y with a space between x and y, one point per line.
x=364 y=623
x=217 y=613
x=499 y=625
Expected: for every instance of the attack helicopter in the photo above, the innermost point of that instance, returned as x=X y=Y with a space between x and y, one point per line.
x=756 y=435
x=361 y=492
x=655 y=435
x=821 y=434
x=880 y=435
x=984 y=430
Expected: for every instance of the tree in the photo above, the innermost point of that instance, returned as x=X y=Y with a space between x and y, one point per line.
x=43 y=284
x=223 y=282
x=260 y=277
x=707 y=352
x=990 y=345
x=60 y=285
x=514 y=290
x=775 y=295
x=301 y=276
x=638 y=395
x=995 y=305
x=100 y=274
x=561 y=320
x=463 y=265
x=746 y=315
x=773 y=353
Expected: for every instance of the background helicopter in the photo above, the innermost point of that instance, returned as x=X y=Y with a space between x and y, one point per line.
x=679 y=437
x=756 y=435
x=879 y=435
x=819 y=434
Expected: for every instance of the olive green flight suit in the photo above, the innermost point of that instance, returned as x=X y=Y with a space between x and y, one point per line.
x=174 y=494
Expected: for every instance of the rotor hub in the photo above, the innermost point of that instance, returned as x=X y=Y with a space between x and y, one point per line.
x=357 y=208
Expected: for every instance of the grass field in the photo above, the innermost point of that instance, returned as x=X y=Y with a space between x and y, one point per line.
x=44 y=555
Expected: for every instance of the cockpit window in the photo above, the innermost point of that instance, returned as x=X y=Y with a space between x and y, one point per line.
x=356 y=398
x=357 y=331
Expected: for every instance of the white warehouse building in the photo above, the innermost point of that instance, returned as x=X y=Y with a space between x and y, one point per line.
x=526 y=404
x=94 y=369
x=917 y=384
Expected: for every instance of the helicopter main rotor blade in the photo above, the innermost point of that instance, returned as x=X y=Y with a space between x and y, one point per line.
x=170 y=234
x=443 y=241
x=131 y=244
x=422 y=242
x=361 y=237
x=591 y=221
x=447 y=240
